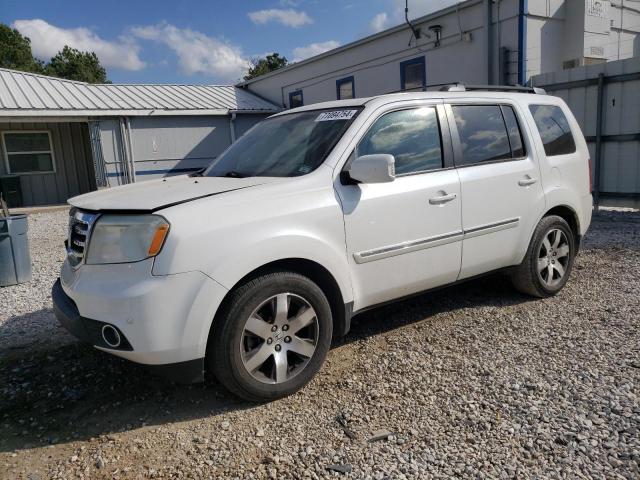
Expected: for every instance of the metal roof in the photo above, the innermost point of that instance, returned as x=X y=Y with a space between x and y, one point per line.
x=28 y=94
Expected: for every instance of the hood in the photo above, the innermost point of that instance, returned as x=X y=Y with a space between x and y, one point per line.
x=153 y=195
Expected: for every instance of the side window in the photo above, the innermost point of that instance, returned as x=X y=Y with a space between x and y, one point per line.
x=554 y=129
x=483 y=133
x=411 y=136
x=295 y=99
x=513 y=129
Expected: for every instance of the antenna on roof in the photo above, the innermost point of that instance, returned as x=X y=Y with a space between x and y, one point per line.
x=416 y=31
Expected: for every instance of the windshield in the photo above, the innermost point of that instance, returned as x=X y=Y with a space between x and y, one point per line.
x=284 y=146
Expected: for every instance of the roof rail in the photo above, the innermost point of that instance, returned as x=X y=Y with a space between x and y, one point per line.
x=461 y=87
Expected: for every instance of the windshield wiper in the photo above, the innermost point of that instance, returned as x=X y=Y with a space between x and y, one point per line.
x=233 y=174
x=198 y=173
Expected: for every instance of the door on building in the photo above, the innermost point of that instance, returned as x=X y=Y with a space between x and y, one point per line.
x=502 y=195
x=404 y=236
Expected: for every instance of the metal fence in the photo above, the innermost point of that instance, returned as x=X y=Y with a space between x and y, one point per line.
x=605 y=99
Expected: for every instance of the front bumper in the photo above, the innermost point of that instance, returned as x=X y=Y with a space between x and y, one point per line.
x=90 y=331
x=164 y=320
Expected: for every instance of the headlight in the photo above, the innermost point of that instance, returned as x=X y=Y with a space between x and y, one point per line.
x=126 y=238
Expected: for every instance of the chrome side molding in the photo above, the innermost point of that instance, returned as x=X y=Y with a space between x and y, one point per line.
x=430 y=242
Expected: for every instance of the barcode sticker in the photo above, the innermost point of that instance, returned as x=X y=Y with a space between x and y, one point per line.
x=336 y=115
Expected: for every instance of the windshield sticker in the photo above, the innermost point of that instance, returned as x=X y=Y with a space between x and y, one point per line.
x=336 y=115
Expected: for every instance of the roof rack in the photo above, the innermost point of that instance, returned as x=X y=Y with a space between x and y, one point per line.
x=461 y=87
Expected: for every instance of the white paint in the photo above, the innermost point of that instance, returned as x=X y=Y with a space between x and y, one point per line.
x=217 y=240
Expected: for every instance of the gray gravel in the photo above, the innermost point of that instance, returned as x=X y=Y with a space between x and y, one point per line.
x=470 y=381
x=26 y=317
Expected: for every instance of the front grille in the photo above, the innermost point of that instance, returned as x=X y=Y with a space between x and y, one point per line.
x=80 y=225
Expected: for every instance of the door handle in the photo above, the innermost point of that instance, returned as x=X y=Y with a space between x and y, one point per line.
x=442 y=199
x=526 y=181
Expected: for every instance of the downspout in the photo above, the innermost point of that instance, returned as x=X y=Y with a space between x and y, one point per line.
x=232 y=127
x=131 y=158
x=489 y=39
x=598 y=160
x=124 y=161
x=522 y=42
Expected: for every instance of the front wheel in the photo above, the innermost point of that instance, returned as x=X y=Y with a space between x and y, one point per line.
x=549 y=259
x=271 y=337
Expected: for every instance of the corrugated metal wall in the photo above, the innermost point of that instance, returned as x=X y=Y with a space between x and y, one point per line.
x=73 y=164
x=620 y=110
x=163 y=146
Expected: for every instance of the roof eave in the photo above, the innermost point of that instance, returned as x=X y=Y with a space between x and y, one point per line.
x=19 y=113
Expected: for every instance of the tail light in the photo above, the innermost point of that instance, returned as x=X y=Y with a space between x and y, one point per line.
x=590 y=176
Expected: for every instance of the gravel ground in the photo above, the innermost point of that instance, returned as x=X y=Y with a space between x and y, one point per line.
x=469 y=381
x=26 y=315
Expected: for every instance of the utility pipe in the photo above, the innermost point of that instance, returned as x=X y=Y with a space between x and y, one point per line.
x=232 y=127
x=598 y=159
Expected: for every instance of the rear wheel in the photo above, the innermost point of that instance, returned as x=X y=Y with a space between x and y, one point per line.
x=549 y=260
x=271 y=337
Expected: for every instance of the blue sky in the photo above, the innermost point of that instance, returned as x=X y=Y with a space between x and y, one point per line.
x=180 y=41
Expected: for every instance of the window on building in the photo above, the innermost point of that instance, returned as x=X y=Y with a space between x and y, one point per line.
x=413 y=74
x=554 y=129
x=483 y=133
x=28 y=152
x=411 y=136
x=295 y=99
x=345 y=88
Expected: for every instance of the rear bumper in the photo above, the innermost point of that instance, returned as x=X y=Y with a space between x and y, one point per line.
x=90 y=331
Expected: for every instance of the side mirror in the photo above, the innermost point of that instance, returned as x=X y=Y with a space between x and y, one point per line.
x=378 y=168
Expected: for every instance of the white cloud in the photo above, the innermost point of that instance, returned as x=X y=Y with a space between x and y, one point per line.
x=47 y=40
x=197 y=52
x=300 y=53
x=379 y=22
x=288 y=17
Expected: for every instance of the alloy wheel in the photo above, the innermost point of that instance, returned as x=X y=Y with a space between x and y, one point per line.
x=553 y=257
x=279 y=338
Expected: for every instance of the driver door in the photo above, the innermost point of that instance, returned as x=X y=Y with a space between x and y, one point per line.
x=404 y=236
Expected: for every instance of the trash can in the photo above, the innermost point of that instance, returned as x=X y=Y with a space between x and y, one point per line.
x=15 y=259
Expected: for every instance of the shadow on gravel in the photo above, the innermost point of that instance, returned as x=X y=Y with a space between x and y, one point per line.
x=29 y=332
x=76 y=392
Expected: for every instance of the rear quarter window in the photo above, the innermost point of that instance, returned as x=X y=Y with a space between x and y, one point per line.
x=554 y=130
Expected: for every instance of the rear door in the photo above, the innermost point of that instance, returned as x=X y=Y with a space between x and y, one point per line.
x=502 y=196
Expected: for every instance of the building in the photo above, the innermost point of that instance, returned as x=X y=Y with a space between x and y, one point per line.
x=605 y=99
x=60 y=138
x=476 y=41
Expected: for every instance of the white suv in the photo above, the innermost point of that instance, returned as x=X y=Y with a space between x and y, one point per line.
x=252 y=265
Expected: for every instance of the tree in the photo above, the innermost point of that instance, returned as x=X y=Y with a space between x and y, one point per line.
x=73 y=64
x=15 y=51
x=260 y=66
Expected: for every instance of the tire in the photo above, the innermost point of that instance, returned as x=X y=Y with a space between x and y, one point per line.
x=282 y=347
x=545 y=258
